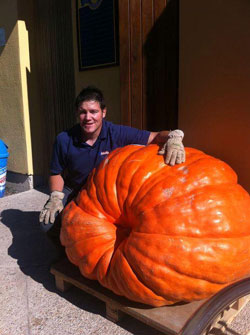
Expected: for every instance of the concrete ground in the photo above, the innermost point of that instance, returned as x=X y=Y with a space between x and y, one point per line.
x=29 y=302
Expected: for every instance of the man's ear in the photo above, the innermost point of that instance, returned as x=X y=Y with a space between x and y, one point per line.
x=104 y=111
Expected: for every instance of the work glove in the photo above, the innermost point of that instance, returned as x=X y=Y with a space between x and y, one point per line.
x=52 y=206
x=173 y=149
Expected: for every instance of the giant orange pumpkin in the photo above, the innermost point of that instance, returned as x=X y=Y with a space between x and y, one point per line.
x=158 y=234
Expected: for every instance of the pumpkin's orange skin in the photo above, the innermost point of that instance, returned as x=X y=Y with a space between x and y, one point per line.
x=158 y=234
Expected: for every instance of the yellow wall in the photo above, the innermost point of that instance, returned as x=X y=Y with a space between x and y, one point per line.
x=107 y=79
x=14 y=113
x=214 y=83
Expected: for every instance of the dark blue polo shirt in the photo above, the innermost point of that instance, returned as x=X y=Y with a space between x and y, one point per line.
x=79 y=158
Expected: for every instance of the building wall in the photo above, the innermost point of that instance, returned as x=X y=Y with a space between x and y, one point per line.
x=14 y=114
x=24 y=125
x=107 y=79
x=214 y=83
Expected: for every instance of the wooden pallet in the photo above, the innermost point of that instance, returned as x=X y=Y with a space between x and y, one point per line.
x=168 y=319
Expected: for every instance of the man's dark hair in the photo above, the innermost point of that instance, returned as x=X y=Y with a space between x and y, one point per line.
x=90 y=93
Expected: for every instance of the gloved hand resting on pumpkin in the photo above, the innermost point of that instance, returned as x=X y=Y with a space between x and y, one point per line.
x=173 y=148
x=52 y=206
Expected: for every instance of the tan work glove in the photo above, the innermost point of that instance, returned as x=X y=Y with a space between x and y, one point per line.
x=52 y=206
x=173 y=149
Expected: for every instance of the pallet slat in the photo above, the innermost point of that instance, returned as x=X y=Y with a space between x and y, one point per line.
x=168 y=319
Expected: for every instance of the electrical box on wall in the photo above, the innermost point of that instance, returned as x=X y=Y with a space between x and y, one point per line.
x=97 y=33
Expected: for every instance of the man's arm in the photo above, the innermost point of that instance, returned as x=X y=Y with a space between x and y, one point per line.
x=56 y=183
x=171 y=145
x=158 y=137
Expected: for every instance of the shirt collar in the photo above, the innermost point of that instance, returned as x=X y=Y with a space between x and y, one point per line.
x=77 y=135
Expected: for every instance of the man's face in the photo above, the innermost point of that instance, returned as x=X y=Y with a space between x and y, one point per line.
x=90 y=117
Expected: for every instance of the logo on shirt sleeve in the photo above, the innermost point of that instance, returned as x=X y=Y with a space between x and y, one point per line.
x=104 y=153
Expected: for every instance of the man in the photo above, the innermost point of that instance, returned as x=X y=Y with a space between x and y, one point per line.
x=79 y=150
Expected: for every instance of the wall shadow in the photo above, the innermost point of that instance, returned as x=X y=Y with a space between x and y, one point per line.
x=161 y=51
x=9 y=24
x=50 y=80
